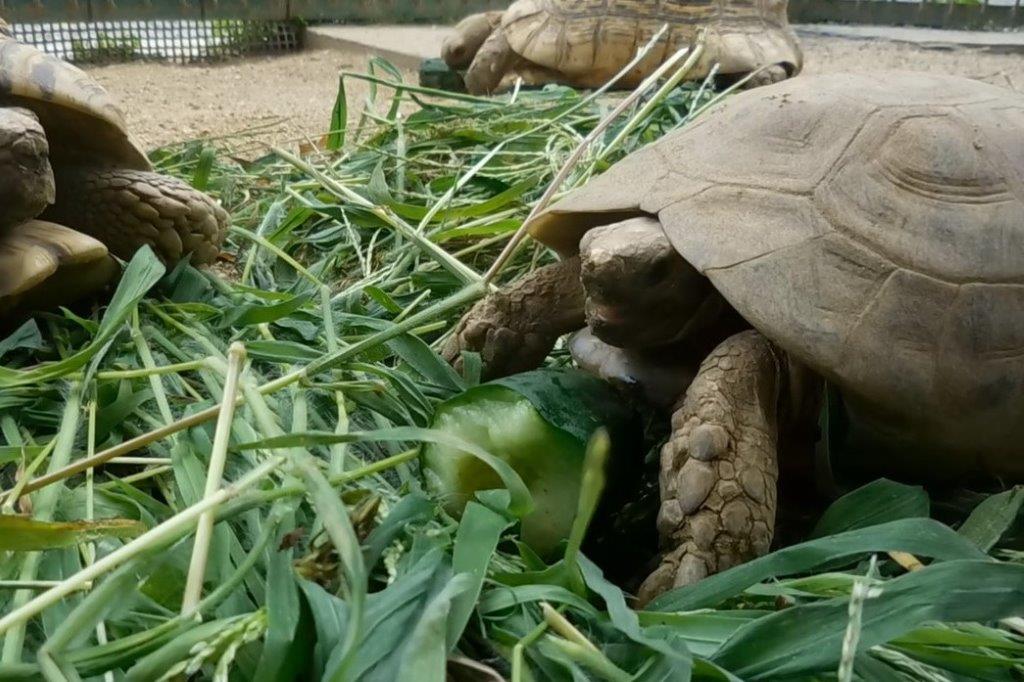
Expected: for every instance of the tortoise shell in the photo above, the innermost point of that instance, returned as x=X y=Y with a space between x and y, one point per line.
x=871 y=225
x=594 y=39
x=81 y=121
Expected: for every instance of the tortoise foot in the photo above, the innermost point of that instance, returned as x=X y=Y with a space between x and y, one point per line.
x=776 y=73
x=48 y=265
x=719 y=469
x=515 y=328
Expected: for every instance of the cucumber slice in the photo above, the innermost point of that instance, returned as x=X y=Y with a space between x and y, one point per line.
x=539 y=422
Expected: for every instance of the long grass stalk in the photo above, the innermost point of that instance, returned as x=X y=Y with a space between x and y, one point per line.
x=457 y=300
x=44 y=506
x=556 y=184
x=148 y=541
x=214 y=475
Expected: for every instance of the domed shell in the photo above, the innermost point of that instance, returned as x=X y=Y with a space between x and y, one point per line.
x=592 y=40
x=871 y=225
x=82 y=124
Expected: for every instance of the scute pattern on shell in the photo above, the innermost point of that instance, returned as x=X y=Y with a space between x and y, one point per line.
x=76 y=111
x=872 y=225
x=594 y=39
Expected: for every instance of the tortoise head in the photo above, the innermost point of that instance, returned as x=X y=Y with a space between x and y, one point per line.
x=26 y=179
x=640 y=293
x=459 y=48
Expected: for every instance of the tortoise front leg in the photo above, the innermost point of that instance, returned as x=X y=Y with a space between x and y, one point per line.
x=459 y=48
x=514 y=329
x=719 y=468
x=493 y=61
x=126 y=209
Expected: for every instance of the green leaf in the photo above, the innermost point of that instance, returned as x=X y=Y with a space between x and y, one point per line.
x=17 y=453
x=521 y=501
x=505 y=597
x=429 y=364
x=377 y=189
x=253 y=313
x=154 y=665
x=993 y=517
x=703 y=631
x=808 y=638
x=339 y=118
x=625 y=620
x=282 y=649
x=25 y=337
x=877 y=502
x=285 y=352
x=201 y=175
x=330 y=617
x=382 y=298
x=412 y=507
x=426 y=654
x=142 y=273
x=473 y=210
x=922 y=537
x=113 y=414
x=395 y=612
x=475 y=541
x=22 y=534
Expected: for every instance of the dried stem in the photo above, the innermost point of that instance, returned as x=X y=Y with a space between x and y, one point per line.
x=214 y=474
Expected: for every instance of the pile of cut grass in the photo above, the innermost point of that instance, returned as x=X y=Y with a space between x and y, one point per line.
x=324 y=557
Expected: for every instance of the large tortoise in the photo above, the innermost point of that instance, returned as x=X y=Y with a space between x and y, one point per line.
x=865 y=230
x=99 y=194
x=584 y=43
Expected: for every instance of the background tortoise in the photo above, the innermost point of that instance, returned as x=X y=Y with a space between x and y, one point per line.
x=101 y=188
x=870 y=228
x=583 y=43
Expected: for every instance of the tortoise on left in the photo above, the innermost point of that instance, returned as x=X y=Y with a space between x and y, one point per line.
x=67 y=159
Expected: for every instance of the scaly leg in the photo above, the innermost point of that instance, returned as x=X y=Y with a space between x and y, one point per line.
x=491 y=64
x=515 y=328
x=461 y=46
x=719 y=468
x=126 y=209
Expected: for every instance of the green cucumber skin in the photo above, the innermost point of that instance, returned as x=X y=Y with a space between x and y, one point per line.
x=539 y=422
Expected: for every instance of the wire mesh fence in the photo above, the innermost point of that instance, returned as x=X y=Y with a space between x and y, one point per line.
x=180 y=41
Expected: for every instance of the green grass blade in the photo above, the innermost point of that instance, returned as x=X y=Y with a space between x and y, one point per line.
x=475 y=541
x=877 y=502
x=339 y=118
x=993 y=517
x=808 y=638
x=923 y=537
x=22 y=534
x=519 y=505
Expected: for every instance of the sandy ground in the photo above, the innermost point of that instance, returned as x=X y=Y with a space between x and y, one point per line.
x=831 y=54
x=289 y=98
x=275 y=99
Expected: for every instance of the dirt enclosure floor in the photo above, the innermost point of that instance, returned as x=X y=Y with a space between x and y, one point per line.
x=289 y=98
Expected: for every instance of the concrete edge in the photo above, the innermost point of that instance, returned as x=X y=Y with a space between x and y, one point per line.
x=318 y=40
x=943 y=45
